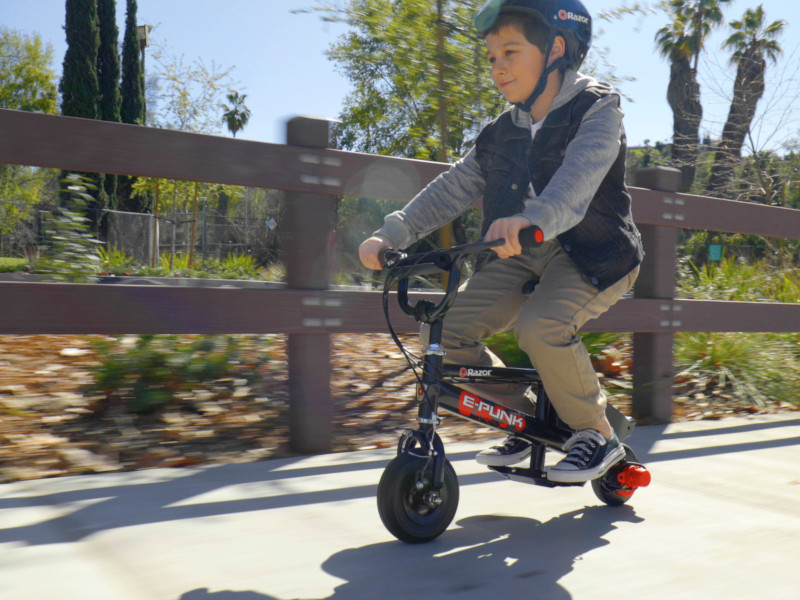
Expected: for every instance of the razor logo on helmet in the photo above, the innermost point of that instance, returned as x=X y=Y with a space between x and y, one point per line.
x=571 y=16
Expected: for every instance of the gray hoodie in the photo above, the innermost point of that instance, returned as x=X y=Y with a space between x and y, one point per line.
x=560 y=206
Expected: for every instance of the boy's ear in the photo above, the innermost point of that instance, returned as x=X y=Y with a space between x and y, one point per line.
x=558 y=49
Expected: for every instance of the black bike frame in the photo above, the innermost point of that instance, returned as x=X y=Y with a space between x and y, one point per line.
x=439 y=389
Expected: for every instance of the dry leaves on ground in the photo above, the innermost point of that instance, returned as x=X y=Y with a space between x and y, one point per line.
x=50 y=427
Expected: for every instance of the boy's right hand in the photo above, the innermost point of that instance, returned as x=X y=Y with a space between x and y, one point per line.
x=369 y=252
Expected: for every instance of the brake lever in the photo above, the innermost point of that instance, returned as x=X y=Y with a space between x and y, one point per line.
x=389 y=256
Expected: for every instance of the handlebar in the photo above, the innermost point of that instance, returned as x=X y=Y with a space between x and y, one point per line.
x=439 y=260
x=403 y=266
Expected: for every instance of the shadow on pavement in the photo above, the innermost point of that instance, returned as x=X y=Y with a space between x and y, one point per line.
x=123 y=500
x=645 y=438
x=482 y=557
x=101 y=508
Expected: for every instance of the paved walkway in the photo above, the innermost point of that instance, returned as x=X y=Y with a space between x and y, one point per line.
x=721 y=520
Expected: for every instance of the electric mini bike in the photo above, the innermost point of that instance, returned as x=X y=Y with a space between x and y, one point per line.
x=418 y=491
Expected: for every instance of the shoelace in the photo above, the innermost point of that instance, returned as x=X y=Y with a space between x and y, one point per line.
x=581 y=446
x=508 y=444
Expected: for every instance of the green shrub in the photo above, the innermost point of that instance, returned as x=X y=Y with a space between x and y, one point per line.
x=146 y=372
x=115 y=261
x=12 y=265
x=176 y=263
x=275 y=272
x=72 y=252
x=237 y=266
x=761 y=367
x=505 y=346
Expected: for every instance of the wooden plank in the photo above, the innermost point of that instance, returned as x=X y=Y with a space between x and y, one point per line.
x=75 y=144
x=72 y=143
x=714 y=214
x=72 y=308
x=711 y=315
x=62 y=308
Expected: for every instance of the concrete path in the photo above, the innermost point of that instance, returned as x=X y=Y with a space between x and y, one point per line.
x=720 y=521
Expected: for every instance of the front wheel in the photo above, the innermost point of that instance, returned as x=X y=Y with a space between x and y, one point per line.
x=409 y=507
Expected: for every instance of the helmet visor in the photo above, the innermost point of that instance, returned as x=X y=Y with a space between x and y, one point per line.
x=487 y=15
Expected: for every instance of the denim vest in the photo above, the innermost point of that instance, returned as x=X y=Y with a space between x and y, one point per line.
x=605 y=245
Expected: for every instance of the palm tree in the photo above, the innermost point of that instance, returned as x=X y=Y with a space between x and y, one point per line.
x=681 y=42
x=752 y=43
x=237 y=114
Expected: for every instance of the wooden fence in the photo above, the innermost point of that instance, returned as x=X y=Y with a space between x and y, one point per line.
x=306 y=308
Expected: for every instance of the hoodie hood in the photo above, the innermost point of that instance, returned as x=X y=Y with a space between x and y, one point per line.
x=574 y=83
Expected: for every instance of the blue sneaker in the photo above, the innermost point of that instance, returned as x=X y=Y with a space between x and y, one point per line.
x=510 y=452
x=589 y=456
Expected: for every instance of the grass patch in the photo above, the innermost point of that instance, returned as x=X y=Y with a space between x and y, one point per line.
x=12 y=265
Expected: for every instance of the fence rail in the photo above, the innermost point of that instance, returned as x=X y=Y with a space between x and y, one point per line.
x=307 y=309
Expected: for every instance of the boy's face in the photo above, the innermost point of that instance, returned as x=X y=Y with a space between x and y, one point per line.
x=517 y=64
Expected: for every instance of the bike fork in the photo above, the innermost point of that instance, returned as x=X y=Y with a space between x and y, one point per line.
x=427 y=414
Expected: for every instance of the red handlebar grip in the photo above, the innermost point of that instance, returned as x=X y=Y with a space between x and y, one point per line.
x=531 y=236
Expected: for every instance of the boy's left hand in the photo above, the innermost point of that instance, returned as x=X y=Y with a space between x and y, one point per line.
x=509 y=229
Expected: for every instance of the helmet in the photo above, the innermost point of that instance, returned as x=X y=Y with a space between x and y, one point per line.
x=566 y=18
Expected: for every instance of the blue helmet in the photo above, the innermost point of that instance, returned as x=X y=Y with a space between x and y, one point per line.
x=567 y=18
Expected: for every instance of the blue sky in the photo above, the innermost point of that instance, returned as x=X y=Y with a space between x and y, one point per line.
x=280 y=61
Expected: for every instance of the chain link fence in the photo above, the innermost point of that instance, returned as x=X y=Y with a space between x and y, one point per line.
x=207 y=233
x=132 y=233
x=20 y=229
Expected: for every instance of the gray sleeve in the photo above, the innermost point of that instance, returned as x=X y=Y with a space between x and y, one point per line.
x=441 y=201
x=589 y=156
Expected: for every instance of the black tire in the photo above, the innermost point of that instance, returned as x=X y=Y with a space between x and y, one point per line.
x=606 y=487
x=402 y=506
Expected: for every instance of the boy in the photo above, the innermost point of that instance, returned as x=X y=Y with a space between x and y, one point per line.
x=555 y=160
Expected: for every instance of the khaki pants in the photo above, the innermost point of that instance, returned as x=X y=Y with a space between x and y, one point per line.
x=545 y=323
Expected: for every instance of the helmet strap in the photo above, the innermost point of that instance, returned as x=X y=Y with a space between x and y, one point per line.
x=542 y=83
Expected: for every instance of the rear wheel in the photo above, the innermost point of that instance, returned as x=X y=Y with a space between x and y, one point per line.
x=615 y=487
x=408 y=505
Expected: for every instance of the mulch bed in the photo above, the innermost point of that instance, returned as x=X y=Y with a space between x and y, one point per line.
x=50 y=426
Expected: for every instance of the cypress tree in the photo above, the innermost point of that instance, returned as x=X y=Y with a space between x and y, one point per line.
x=80 y=91
x=108 y=73
x=131 y=89
x=132 y=109
x=79 y=87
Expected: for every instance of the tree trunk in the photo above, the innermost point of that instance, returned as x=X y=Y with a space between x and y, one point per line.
x=748 y=89
x=683 y=95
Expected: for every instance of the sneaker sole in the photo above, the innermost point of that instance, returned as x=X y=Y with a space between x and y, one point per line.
x=561 y=476
x=500 y=460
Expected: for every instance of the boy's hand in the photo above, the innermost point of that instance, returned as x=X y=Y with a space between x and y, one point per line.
x=509 y=229
x=369 y=252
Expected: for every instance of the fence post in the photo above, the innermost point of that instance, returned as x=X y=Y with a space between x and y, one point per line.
x=307 y=224
x=653 y=352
